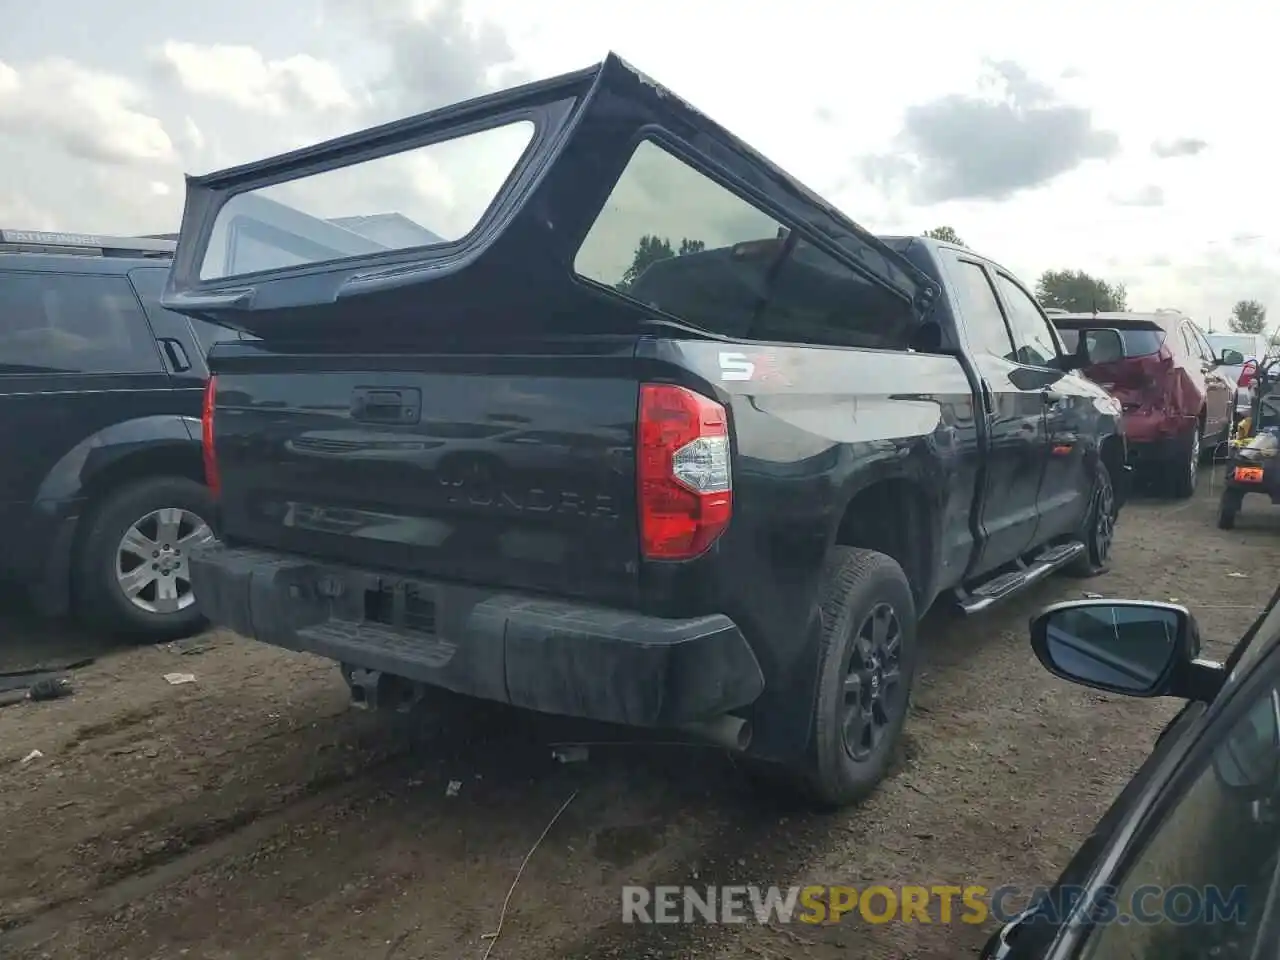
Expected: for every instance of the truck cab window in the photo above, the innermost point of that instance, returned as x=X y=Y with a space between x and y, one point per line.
x=981 y=311
x=675 y=240
x=1033 y=338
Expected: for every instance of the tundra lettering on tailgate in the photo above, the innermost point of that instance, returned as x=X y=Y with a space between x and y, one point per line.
x=533 y=500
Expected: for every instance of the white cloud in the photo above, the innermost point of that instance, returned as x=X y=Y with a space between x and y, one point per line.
x=242 y=76
x=89 y=114
x=812 y=84
x=191 y=135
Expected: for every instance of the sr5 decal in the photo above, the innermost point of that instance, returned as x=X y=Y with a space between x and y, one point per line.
x=760 y=367
x=736 y=366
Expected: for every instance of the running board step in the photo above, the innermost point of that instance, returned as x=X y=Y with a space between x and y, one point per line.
x=1007 y=584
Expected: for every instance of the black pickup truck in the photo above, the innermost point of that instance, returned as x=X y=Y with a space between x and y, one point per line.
x=625 y=424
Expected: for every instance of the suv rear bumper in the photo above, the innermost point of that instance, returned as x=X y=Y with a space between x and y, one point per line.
x=546 y=655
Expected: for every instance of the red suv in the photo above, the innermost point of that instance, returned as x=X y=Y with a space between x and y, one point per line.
x=1177 y=405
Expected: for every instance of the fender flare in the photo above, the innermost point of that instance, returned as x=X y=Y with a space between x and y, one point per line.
x=75 y=471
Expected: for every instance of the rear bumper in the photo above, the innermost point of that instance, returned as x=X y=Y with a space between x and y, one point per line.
x=1163 y=450
x=545 y=655
x=1156 y=429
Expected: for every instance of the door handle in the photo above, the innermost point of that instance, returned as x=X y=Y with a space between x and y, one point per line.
x=176 y=354
x=1052 y=398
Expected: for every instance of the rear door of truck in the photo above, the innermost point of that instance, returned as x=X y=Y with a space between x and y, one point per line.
x=440 y=384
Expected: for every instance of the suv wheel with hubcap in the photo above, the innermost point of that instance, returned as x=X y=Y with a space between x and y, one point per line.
x=132 y=568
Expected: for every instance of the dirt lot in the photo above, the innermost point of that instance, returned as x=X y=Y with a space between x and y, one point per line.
x=251 y=813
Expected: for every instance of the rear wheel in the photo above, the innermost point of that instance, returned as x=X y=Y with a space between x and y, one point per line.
x=1186 y=466
x=132 y=575
x=866 y=669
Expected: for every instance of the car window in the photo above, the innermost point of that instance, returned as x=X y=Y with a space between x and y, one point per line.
x=1138 y=341
x=1193 y=343
x=1206 y=349
x=1218 y=844
x=73 y=323
x=149 y=282
x=1185 y=339
x=1032 y=336
x=367 y=208
x=1101 y=349
x=980 y=310
x=675 y=240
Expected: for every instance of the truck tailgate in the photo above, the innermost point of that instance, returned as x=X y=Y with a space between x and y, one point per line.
x=515 y=471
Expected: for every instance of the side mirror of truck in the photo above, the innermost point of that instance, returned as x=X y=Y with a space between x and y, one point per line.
x=1230 y=358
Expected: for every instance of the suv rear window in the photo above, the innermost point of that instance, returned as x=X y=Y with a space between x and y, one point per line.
x=1138 y=342
x=678 y=242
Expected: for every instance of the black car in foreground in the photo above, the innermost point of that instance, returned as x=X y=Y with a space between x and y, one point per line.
x=1186 y=863
x=102 y=492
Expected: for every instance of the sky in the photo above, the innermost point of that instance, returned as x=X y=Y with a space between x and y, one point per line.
x=1125 y=140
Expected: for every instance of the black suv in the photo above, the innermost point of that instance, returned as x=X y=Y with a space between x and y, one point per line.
x=101 y=484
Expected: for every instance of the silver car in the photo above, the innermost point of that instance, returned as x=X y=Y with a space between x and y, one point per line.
x=1252 y=347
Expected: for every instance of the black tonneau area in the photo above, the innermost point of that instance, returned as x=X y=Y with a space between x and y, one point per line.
x=586 y=125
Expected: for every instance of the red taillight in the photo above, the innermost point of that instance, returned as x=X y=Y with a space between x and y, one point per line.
x=1247 y=373
x=211 y=478
x=685 y=484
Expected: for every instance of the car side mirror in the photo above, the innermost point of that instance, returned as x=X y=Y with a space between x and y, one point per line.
x=1133 y=647
x=1230 y=358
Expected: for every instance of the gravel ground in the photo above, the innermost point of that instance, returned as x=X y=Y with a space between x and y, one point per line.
x=251 y=813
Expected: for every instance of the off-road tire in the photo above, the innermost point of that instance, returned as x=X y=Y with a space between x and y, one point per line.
x=857 y=584
x=1185 y=468
x=1097 y=532
x=1228 y=507
x=99 y=601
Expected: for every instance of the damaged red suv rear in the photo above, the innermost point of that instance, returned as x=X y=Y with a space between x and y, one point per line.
x=1177 y=404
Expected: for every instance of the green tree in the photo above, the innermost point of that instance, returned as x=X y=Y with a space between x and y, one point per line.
x=1248 y=316
x=1077 y=292
x=650 y=249
x=946 y=235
